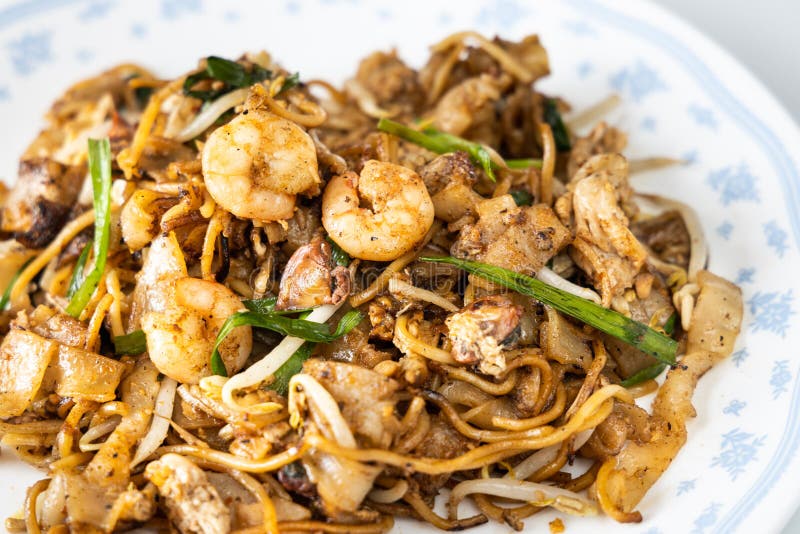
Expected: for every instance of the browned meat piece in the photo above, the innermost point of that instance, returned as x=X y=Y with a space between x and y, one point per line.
x=601 y=140
x=481 y=331
x=367 y=398
x=449 y=179
x=654 y=309
x=390 y=81
x=666 y=236
x=522 y=239
x=468 y=104
x=604 y=247
x=530 y=53
x=52 y=324
x=441 y=441
x=526 y=392
x=192 y=502
x=302 y=228
x=626 y=422
x=41 y=200
x=311 y=278
x=354 y=347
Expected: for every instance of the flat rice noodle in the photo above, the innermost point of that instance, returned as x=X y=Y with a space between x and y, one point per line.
x=93 y=497
x=564 y=342
x=246 y=510
x=24 y=357
x=110 y=467
x=84 y=375
x=716 y=322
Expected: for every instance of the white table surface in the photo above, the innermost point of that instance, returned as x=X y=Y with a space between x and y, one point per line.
x=764 y=37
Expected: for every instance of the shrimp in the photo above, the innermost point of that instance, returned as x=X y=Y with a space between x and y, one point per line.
x=399 y=215
x=180 y=338
x=257 y=164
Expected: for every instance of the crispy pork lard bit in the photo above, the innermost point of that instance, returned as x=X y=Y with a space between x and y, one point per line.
x=311 y=278
x=192 y=502
x=398 y=216
x=392 y=84
x=481 y=331
x=604 y=247
x=257 y=164
x=521 y=239
x=41 y=200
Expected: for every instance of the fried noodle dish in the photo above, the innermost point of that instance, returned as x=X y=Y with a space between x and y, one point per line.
x=244 y=301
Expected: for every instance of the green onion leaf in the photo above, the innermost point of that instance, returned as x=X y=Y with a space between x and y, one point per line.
x=265 y=305
x=233 y=75
x=7 y=293
x=217 y=365
x=292 y=366
x=306 y=330
x=521 y=197
x=340 y=257
x=552 y=117
x=441 y=143
x=133 y=343
x=78 y=275
x=523 y=163
x=227 y=71
x=291 y=81
x=648 y=373
x=636 y=334
x=669 y=326
x=100 y=170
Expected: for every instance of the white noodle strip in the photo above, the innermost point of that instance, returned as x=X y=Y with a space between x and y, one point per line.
x=521 y=490
x=87 y=443
x=159 y=426
x=399 y=287
x=548 y=276
x=390 y=495
x=323 y=405
x=542 y=457
x=271 y=362
x=699 y=247
x=213 y=111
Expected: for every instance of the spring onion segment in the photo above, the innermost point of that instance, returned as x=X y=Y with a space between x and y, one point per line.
x=4 y=300
x=100 y=170
x=272 y=361
x=130 y=344
x=552 y=117
x=277 y=322
x=441 y=143
x=524 y=163
x=78 y=274
x=636 y=334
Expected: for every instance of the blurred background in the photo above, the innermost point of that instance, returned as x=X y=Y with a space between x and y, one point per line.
x=762 y=35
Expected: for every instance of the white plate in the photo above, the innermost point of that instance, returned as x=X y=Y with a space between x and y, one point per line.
x=684 y=97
